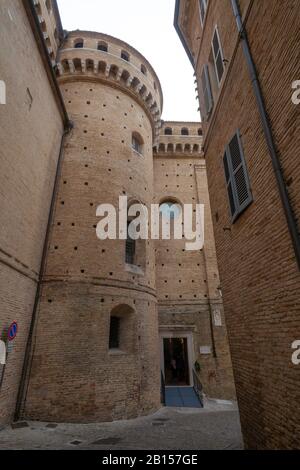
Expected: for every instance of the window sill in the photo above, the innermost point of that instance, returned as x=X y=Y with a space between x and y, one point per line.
x=138 y=153
x=116 y=352
x=132 y=268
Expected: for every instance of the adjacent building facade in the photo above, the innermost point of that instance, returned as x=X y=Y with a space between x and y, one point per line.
x=190 y=307
x=246 y=57
x=99 y=321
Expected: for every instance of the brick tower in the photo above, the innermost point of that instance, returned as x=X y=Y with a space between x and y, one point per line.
x=95 y=351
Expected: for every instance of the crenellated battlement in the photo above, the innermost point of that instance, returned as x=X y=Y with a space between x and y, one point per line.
x=94 y=56
x=180 y=137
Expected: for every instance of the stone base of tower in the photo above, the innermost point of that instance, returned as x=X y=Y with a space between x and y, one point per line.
x=74 y=376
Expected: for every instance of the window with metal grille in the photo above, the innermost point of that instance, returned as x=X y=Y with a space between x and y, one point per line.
x=203 y=8
x=237 y=179
x=207 y=92
x=130 y=248
x=218 y=56
x=114 y=333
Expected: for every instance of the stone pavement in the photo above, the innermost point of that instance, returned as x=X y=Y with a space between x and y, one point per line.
x=216 y=426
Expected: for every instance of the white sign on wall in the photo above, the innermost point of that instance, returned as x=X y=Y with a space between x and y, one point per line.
x=217 y=318
x=2 y=353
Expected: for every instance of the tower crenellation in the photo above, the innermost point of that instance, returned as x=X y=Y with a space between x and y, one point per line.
x=111 y=61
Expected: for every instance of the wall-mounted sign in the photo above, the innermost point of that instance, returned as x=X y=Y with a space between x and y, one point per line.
x=2 y=352
x=217 y=318
x=205 y=350
x=12 y=331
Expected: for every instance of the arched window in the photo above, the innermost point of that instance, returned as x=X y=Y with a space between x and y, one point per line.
x=121 y=326
x=200 y=132
x=168 y=131
x=184 y=131
x=143 y=69
x=137 y=143
x=78 y=43
x=125 y=56
x=102 y=46
x=170 y=209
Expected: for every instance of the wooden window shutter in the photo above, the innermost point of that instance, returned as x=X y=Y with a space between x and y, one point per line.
x=206 y=89
x=218 y=56
x=237 y=179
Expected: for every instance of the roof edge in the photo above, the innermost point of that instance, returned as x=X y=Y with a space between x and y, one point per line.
x=180 y=33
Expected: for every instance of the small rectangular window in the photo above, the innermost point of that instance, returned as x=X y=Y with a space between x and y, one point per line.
x=237 y=179
x=114 y=333
x=130 y=248
x=207 y=93
x=218 y=56
x=203 y=8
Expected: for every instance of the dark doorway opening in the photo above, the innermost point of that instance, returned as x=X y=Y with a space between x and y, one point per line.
x=176 y=362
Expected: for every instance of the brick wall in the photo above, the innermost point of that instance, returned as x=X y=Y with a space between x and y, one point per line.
x=30 y=133
x=258 y=271
x=74 y=375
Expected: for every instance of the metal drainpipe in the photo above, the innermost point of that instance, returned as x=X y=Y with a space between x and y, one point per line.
x=24 y=382
x=290 y=217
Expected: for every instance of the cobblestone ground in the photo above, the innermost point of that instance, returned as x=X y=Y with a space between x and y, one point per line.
x=217 y=426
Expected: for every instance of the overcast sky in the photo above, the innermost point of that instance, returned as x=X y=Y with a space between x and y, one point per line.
x=146 y=25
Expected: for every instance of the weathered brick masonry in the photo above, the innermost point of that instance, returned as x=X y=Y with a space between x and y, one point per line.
x=50 y=252
x=31 y=128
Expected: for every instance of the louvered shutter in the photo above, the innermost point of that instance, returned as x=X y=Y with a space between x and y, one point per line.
x=228 y=177
x=236 y=174
x=207 y=93
x=218 y=56
x=202 y=4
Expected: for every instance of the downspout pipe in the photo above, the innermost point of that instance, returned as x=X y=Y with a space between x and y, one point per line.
x=68 y=126
x=24 y=382
x=289 y=214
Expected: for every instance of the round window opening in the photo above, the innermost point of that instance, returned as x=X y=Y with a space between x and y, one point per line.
x=170 y=210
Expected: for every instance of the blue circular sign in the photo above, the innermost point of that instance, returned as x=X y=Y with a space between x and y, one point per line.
x=12 y=331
